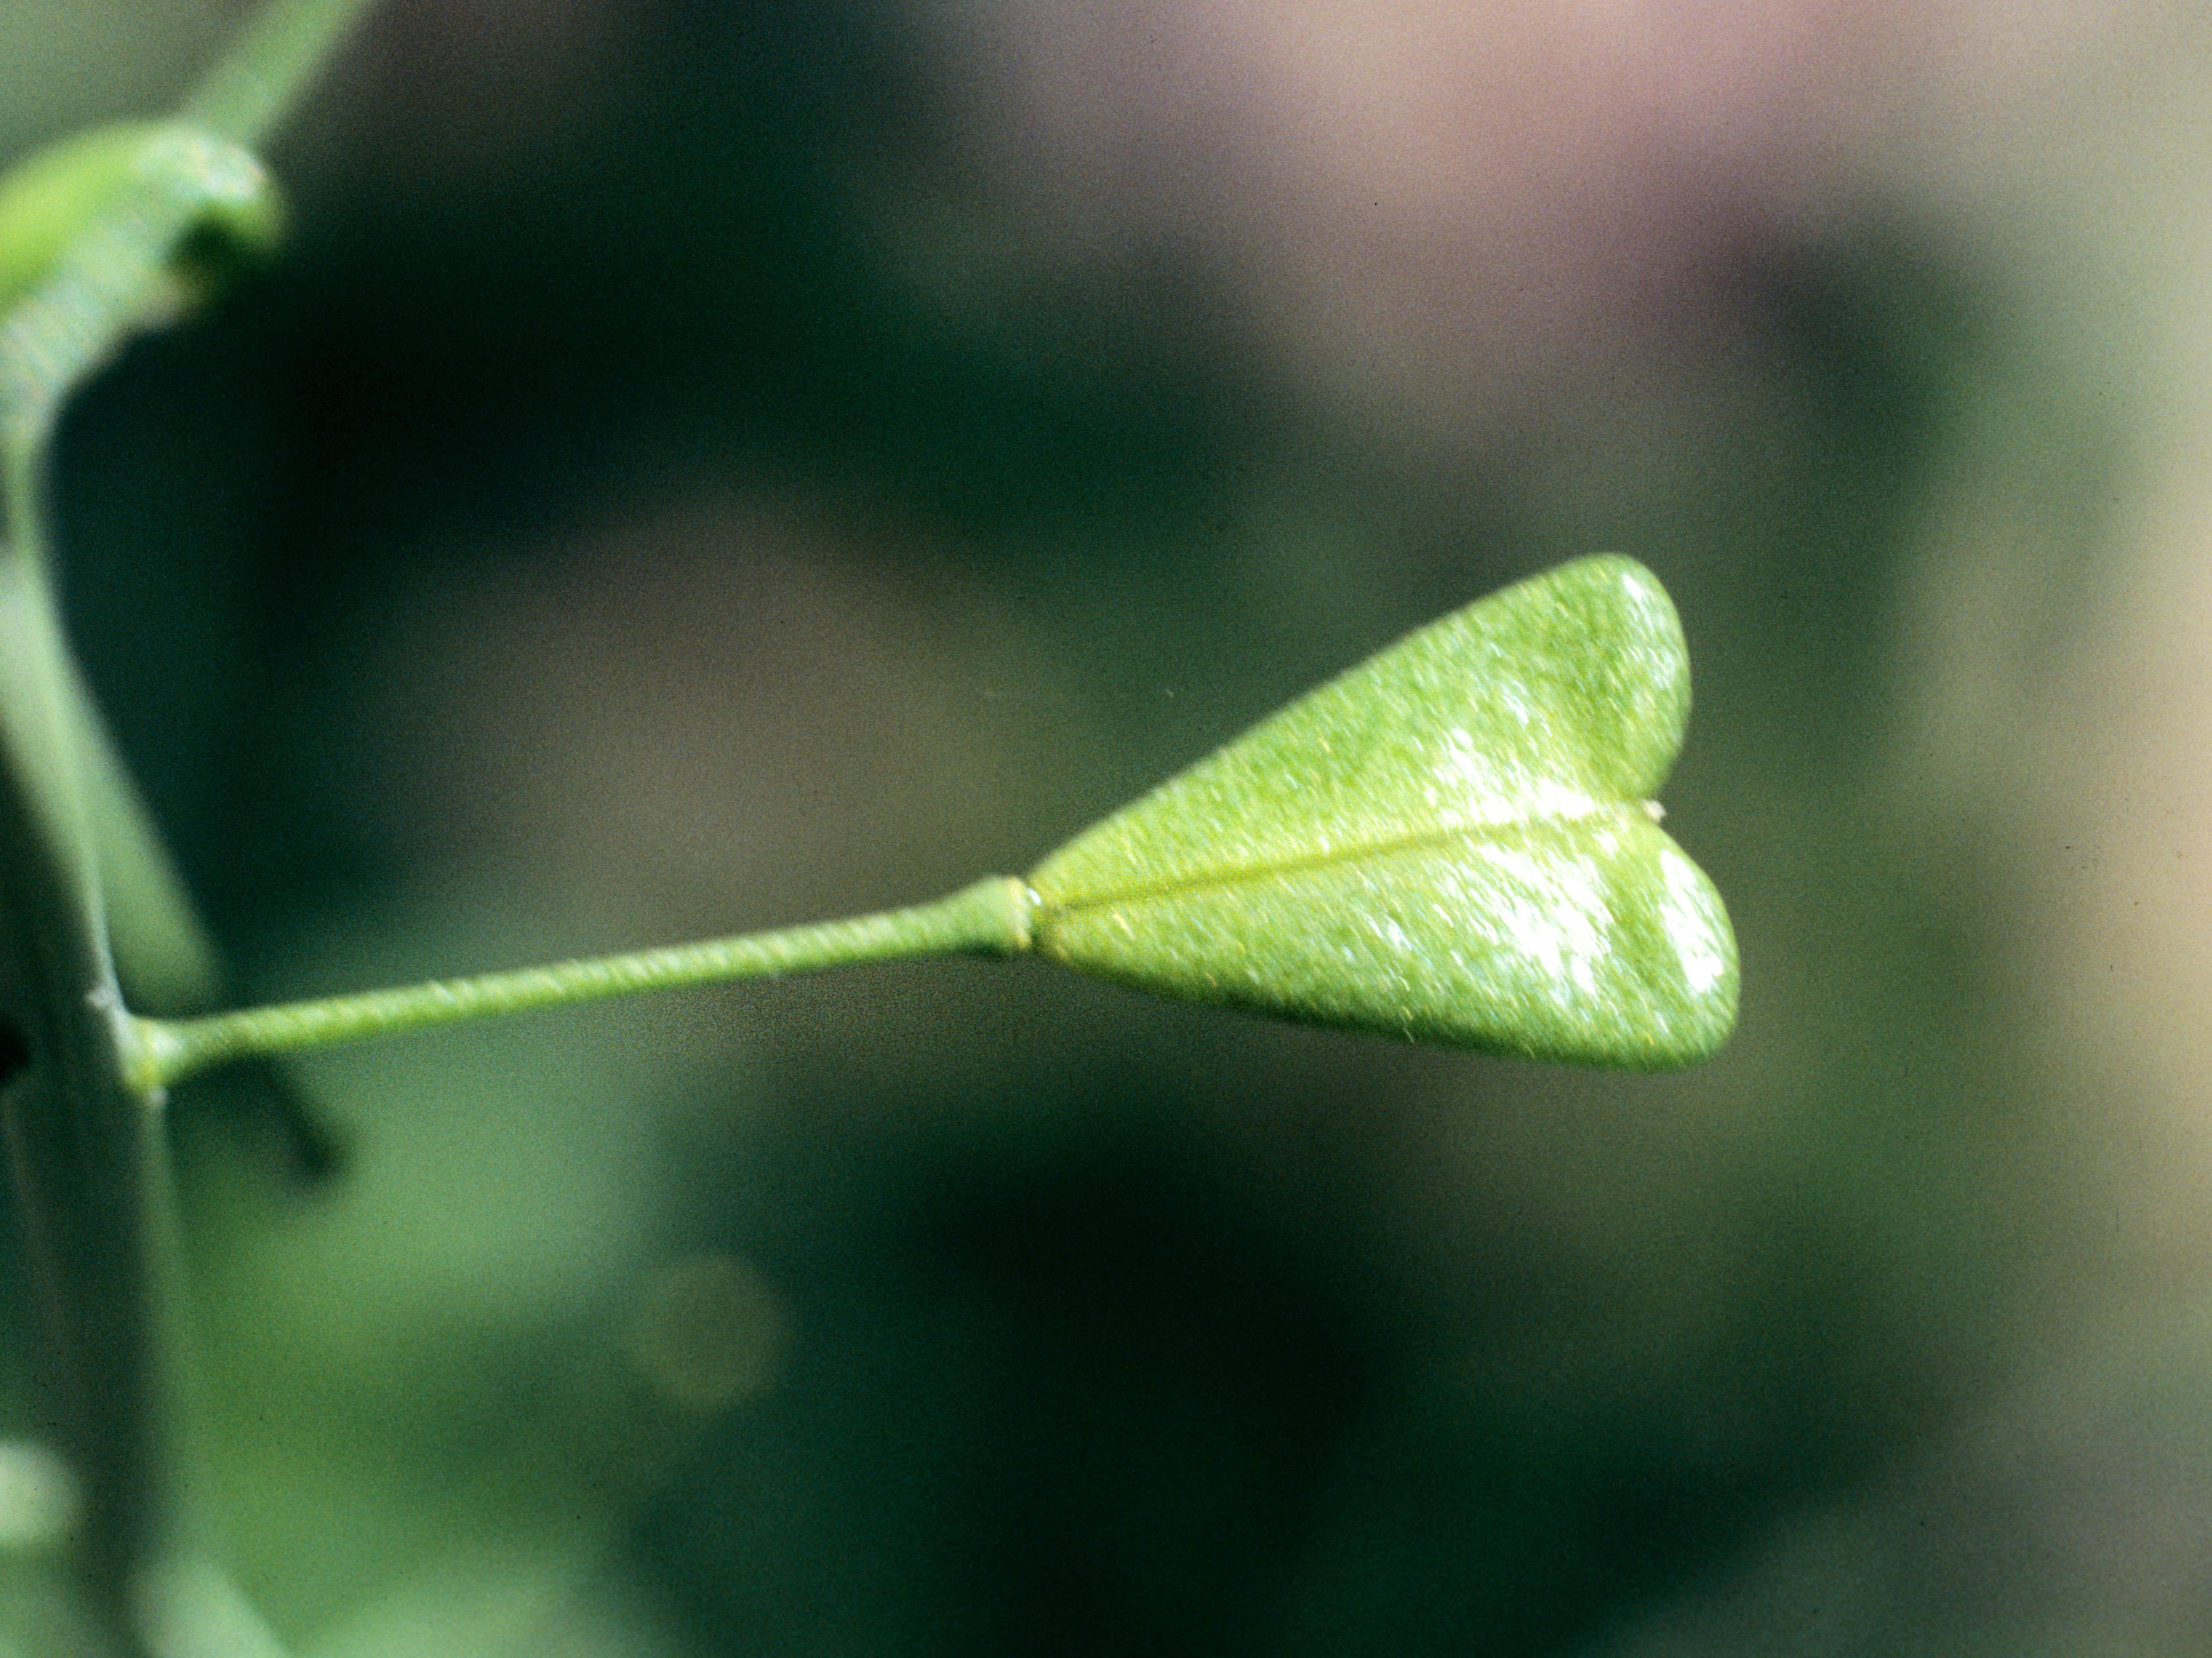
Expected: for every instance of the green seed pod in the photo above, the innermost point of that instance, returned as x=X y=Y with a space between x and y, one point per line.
x=1455 y=842
x=49 y=199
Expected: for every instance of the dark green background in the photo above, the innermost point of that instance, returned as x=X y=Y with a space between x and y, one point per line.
x=590 y=535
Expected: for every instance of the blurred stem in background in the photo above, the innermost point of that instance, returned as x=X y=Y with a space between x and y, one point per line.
x=86 y=1160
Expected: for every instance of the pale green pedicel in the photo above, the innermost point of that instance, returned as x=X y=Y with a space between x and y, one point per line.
x=1456 y=842
x=988 y=919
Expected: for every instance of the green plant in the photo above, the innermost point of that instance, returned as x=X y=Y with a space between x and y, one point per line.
x=1456 y=841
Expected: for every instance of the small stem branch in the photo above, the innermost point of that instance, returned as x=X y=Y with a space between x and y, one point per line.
x=98 y=295
x=279 y=57
x=102 y=291
x=991 y=918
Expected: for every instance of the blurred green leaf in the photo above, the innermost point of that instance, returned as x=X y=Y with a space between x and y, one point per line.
x=50 y=199
x=1455 y=842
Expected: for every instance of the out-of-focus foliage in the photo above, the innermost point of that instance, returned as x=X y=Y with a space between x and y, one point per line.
x=713 y=465
x=49 y=199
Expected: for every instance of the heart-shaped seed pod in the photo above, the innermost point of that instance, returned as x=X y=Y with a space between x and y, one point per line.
x=1456 y=841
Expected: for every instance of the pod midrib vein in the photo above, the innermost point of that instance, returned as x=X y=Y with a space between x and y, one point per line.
x=1048 y=910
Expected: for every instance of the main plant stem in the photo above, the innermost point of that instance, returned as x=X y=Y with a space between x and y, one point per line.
x=82 y=1156
x=991 y=918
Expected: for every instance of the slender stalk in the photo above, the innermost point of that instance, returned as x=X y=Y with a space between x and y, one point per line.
x=991 y=918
